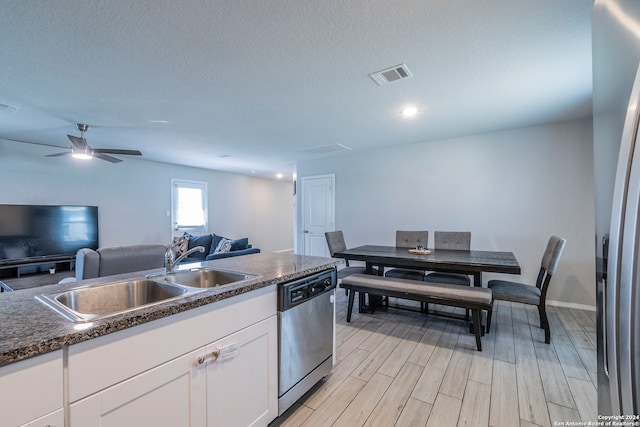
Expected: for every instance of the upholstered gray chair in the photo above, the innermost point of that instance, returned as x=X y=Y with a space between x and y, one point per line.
x=336 y=243
x=409 y=240
x=529 y=294
x=456 y=241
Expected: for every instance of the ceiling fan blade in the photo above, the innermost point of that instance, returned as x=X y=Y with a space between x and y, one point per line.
x=106 y=157
x=79 y=143
x=64 y=153
x=117 y=151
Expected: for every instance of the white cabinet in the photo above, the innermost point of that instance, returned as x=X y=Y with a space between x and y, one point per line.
x=231 y=382
x=170 y=395
x=242 y=377
x=32 y=391
x=211 y=366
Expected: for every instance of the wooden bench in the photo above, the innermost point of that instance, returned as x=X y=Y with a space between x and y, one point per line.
x=474 y=299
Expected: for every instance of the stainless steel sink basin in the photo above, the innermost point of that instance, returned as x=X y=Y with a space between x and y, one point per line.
x=207 y=277
x=96 y=302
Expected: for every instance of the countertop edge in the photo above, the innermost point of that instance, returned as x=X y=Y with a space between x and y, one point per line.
x=22 y=350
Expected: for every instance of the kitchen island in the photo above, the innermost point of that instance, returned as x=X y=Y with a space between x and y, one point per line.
x=176 y=361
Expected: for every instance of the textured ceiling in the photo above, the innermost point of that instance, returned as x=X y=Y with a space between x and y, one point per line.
x=259 y=81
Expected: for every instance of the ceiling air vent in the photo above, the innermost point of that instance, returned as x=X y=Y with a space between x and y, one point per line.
x=9 y=108
x=390 y=75
x=325 y=149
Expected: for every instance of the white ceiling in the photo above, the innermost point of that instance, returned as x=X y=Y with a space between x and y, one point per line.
x=261 y=80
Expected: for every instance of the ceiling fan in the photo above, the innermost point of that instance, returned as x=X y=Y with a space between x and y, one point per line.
x=81 y=150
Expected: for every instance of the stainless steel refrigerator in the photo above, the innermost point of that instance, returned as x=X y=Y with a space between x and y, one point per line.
x=616 y=127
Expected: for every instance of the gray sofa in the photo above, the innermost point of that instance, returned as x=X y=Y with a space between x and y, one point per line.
x=118 y=260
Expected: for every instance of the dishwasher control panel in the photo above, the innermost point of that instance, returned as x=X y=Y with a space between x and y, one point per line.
x=301 y=290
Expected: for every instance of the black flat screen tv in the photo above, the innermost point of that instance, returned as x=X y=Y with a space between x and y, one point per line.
x=31 y=233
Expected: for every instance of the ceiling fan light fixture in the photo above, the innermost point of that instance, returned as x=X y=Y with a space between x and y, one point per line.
x=82 y=155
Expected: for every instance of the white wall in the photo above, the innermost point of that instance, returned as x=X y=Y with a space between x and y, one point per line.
x=511 y=189
x=134 y=196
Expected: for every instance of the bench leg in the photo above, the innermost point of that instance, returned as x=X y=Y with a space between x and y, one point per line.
x=475 y=314
x=424 y=307
x=350 y=305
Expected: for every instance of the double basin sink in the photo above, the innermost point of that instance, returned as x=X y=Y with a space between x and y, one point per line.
x=89 y=303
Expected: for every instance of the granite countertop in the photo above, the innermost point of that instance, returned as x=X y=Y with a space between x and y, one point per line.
x=29 y=328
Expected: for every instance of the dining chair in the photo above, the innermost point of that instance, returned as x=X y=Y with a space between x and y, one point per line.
x=409 y=240
x=529 y=294
x=336 y=243
x=456 y=241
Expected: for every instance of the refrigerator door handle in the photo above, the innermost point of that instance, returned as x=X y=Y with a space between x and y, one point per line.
x=603 y=320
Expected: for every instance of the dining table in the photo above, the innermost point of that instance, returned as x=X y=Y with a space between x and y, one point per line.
x=472 y=262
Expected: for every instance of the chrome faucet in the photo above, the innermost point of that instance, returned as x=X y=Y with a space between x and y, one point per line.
x=170 y=261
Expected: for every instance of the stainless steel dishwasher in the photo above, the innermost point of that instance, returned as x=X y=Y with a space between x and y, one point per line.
x=306 y=321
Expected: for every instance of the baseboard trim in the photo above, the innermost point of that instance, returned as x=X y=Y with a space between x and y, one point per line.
x=571 y=305
x=283 y=251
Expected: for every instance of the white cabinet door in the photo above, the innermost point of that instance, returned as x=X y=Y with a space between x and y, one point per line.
x=242 y=377
x=170 y=395
x=231 y=382
x=55 y=419
x=31 y=389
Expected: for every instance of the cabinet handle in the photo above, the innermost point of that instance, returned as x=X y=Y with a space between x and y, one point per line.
x=223 y=353
x=214 y=354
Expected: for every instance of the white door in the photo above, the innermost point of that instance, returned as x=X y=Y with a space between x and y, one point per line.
x=170 y=395
x=318 y=213
x=242 y=377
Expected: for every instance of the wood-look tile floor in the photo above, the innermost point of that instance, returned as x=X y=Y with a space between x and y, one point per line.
x=403 y=368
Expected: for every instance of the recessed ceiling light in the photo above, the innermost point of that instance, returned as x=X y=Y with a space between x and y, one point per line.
x=409 y=111
x=159 y=121
x=279 y=176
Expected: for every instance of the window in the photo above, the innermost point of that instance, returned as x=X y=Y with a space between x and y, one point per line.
x=189 y=207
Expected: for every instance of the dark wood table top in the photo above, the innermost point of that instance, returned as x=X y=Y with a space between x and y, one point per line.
x=437 y=260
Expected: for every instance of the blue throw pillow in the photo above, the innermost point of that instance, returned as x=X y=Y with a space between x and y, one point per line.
x=239 y=244
x=204 y=241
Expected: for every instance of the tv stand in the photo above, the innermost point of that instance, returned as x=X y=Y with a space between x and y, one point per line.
x=41 y=266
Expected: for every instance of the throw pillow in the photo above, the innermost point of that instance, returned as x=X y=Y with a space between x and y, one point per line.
x=183 y=244
x=204 y=241
x=240 y=244
x=224 y=246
